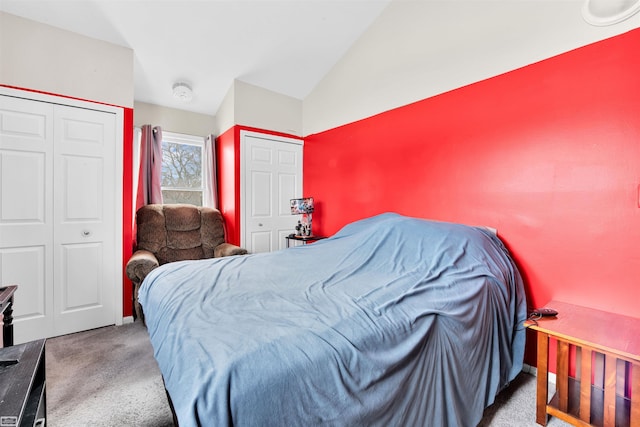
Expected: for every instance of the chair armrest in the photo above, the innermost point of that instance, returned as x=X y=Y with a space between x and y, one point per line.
x=227 y=249
x=140 y=264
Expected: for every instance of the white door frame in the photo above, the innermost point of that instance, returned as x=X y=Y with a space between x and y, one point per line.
x=243 y=185
x=118 y=173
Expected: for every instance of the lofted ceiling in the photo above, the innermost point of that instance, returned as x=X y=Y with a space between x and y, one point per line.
x=286 y=46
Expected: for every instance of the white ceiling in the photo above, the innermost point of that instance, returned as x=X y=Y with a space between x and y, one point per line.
x=286 y=46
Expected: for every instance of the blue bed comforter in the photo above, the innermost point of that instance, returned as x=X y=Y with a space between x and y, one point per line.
x=393 y=321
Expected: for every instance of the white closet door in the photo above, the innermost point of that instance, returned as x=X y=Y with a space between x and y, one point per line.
x=58 y=233
x=83 y=218
x=26 y=212
x=271 y=175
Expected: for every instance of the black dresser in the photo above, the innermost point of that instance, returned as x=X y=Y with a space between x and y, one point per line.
x=22 y=385
x=6 y=310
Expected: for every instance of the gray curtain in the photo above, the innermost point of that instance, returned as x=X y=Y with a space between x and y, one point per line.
x=210 y=173
x=150 y=175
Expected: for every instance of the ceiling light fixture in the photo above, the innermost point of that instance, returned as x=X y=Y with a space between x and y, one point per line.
x=182 y=92
x=609 y=12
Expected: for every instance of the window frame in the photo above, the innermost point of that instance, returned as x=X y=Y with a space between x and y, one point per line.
x=184 y=139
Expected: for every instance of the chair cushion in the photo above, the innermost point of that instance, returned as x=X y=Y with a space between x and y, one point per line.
x=168 y=254
x=182 y=217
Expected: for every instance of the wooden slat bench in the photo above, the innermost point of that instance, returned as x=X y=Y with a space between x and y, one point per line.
x=597 y=367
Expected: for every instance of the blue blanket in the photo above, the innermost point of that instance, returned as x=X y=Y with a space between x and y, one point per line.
x=393 y=321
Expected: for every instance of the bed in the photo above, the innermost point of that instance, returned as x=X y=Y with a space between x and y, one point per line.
x=391 y=321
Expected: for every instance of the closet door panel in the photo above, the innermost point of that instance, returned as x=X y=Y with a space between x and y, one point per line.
x=23 y=198
x=83 y=287
x=84 y=220
x=33 y=305
x=25 y=126
x=26 y=212
x=79 y=175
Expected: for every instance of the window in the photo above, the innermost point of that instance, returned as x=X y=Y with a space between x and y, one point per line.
x=182 y=157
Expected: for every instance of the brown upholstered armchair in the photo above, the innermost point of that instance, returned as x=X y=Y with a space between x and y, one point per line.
x=168 y=233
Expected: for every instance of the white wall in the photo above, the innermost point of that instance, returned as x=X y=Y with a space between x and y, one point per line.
x=44 y=58
x=420 y=48
x=264 y=109
x=253 y=106
x=173 y=120
x=41 y=57
x=225 y=116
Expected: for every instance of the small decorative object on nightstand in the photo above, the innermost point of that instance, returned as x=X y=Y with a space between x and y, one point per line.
x=305 y=207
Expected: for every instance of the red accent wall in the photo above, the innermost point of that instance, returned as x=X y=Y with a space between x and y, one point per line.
x=548 y=154
x=128 y=239
x=228 y=154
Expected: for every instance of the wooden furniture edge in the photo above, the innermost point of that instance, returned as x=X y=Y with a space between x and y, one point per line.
x=626 y=350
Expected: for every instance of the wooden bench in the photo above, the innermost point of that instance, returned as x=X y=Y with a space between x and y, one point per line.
x=597 y=367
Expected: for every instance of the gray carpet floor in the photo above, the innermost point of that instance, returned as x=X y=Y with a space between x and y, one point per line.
x=105 y=377
x=108 y=377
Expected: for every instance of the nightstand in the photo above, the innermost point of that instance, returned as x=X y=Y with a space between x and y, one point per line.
x=597 y=367
x=303 y=239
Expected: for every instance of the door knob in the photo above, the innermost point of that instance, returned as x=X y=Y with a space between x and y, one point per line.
x=86 y=233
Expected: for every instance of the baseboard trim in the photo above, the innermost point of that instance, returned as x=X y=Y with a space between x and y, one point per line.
x=532 y=370
x=127 y=319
